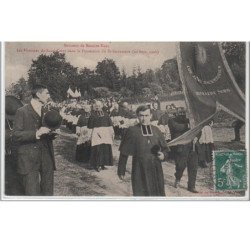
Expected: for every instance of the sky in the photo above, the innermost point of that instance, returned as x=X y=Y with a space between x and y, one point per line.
x=127 y=55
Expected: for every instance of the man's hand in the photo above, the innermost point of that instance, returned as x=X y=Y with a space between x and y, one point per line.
x=42 y=131
x=53 y=135
x=121 y=177
x=160 y=156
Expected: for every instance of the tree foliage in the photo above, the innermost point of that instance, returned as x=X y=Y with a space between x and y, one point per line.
x=54 y=72
x=109 y=74
x=106 y=79
x=20 y=89
x=101 y=92
x=235 y=53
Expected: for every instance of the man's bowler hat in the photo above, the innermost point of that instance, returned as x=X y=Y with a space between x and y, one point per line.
x=52 y=119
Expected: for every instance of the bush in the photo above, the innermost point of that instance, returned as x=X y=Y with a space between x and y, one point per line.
x=126 y=92
x=155 y=88
x=146 y=92
x=101 y=92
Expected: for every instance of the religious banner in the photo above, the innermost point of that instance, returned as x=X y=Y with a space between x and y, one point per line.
x=209 y=86
x=208 y=81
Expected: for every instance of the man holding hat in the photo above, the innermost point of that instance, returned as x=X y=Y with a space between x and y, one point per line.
x=35 y=155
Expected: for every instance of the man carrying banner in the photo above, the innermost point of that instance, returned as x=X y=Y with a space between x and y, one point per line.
x=184 y=155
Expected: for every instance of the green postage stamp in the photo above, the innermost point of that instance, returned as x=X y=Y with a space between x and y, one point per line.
x=230 y=170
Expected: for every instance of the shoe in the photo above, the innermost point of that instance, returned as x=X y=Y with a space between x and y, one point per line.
x=235 y=140
x=192 y=190
x=103 y=168
x=176 y=183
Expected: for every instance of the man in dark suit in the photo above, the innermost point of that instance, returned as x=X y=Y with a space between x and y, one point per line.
x=35 y=155
x=184 y=155
x=237 y=126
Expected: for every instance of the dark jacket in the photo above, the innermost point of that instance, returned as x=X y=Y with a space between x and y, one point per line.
x=32 y=154
x=178 y=126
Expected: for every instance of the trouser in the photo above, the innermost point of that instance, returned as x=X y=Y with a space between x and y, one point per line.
x=184 y=157
x=38 y=182
x=12 y=180
x=117 y=132
x=237 y=128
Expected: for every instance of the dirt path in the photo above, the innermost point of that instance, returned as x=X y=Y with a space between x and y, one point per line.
x=76 y=179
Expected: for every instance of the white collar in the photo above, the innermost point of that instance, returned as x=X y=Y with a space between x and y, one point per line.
x=37 y=106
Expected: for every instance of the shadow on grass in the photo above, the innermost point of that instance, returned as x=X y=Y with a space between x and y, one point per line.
x=66 y=147
x=86 y=185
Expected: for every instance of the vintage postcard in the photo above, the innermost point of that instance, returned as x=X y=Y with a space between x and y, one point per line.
x=125 y=121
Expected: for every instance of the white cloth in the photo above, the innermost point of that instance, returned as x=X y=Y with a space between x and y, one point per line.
x=133 y=121
x=154 y=123
x=124 y=123
x=75 y=94
x=85 y=134
x=206 y=135
x=164 y=129
x=115 y=120
x=102 y=135
x=75 y=119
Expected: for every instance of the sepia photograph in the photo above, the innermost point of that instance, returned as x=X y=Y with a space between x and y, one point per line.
x=125 y=120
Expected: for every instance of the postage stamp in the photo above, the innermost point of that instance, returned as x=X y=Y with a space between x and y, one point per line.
x=230 y=170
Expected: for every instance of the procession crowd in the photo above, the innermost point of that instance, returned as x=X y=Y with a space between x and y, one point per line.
x=143 y=131
x=84 y=117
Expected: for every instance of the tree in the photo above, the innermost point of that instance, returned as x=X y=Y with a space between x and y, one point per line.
x=20 y=89
x=146 y=92
x=235 y=53
x=166 y=88
x=87 y=80
x=149 y=76
x=123 y=78
x=53 y=71
x=170 y=73
x=109 y=74
x=125 y=92
x=101 y=92
x=155 y=88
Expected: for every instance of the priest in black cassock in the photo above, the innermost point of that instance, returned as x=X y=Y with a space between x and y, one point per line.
x=146 y=144
x=102 y=138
